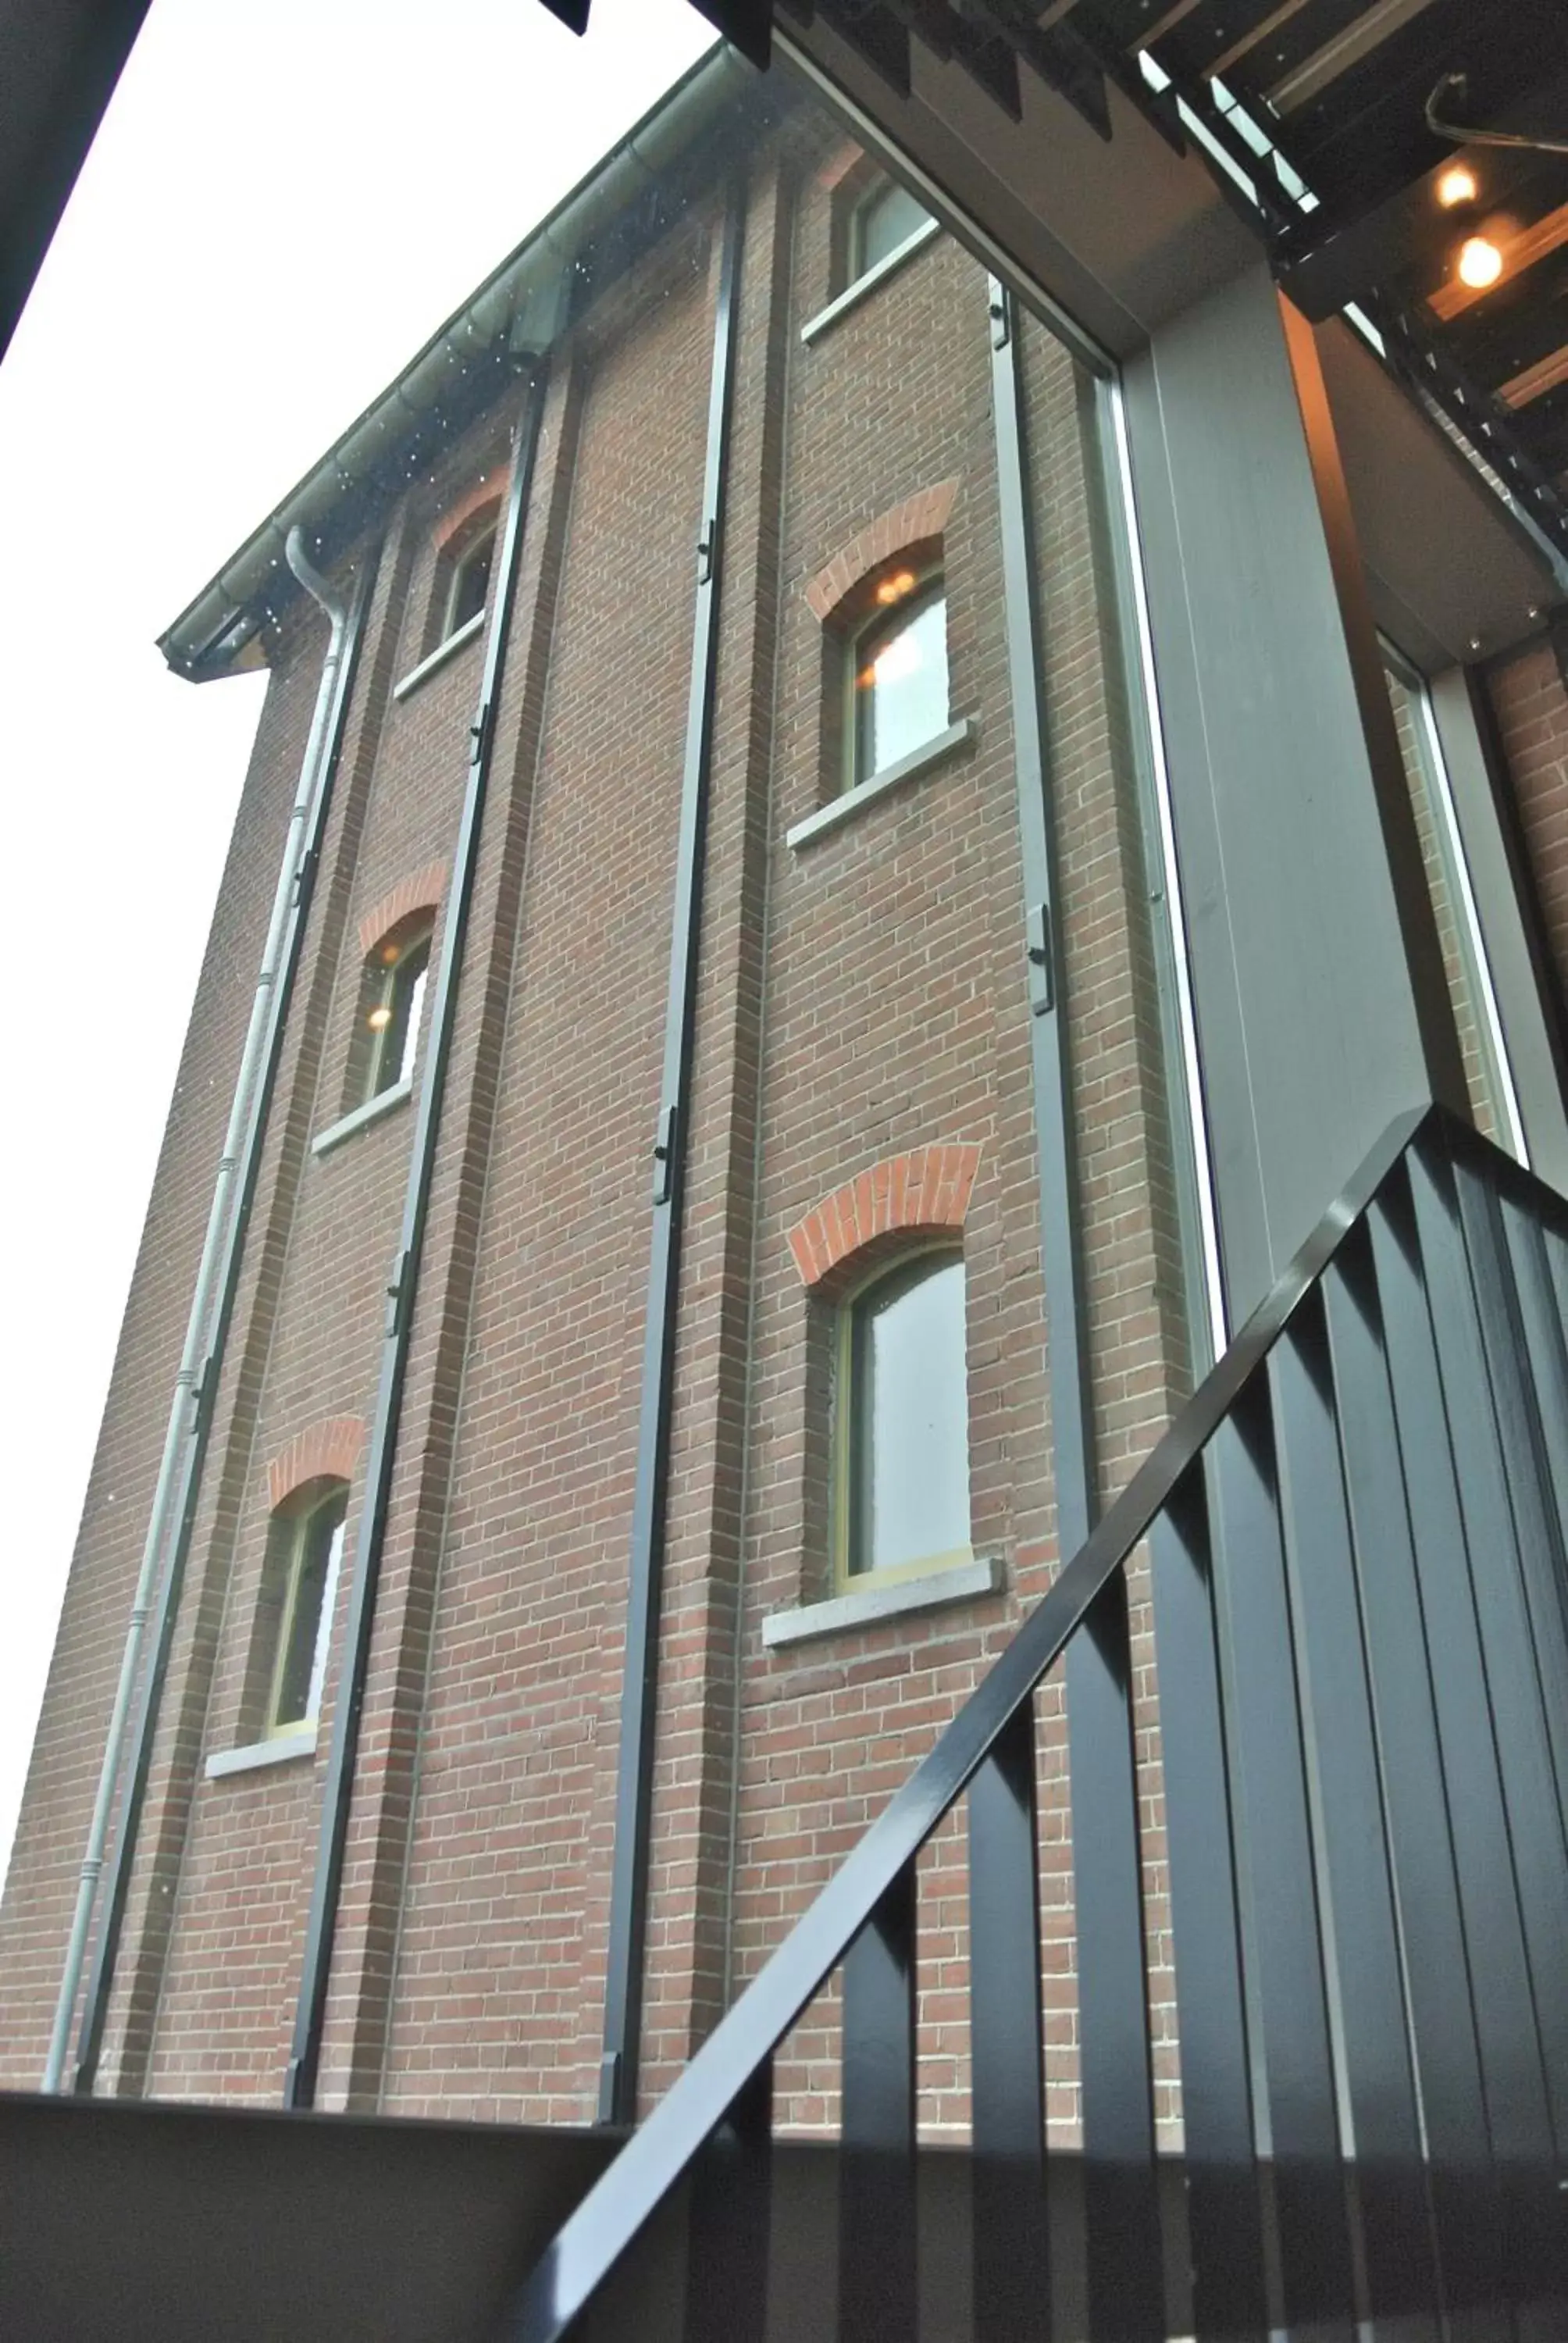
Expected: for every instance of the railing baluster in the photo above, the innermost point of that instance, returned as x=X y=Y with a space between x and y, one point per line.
x=1463 y=2183
x=876 y=2244
x=1351 y=1836
x=1223 y=2214
x=1280 y=1919
x=1122 y=2212
x=1006 y=2171
x=727 y=2223
x=1500 y=1975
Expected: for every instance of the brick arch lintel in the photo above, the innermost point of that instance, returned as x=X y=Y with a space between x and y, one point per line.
x=485 y=496
x=915 y=521
x=927 y=1188
x=330 y=1448
x=421 y=890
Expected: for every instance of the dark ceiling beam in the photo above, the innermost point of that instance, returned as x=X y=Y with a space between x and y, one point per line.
x=59 y=62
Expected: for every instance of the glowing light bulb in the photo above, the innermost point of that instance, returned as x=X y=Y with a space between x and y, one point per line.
x=1479 y=263
x=379 y=1018
x=1457 y=185
x=893 y=590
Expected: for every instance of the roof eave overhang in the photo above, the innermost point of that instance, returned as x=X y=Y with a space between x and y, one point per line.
x=513 y=317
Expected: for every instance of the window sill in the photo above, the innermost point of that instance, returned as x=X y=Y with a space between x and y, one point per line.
x=842 y=1614
x=281 y=1750
x=865 y=793
x=853 y=295
x=384 y=1103
x=443 y=651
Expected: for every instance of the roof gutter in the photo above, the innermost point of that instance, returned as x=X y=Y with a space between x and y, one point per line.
x=521 y=306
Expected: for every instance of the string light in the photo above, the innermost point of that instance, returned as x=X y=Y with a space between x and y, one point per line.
x=1457 y=185
x=1479 y=263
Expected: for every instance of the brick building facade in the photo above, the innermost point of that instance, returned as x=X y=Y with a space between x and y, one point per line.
x=861 y=1084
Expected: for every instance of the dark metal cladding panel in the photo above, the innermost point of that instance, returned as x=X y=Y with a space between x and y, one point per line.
x=1464 y=2191
x=1504 y=1520
x=1352 y=1841
x=1521 y=2128
x=1280 y=1920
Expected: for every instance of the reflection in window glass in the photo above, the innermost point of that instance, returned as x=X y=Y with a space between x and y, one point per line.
x=313 y=1567
x=882 y=223
x=471 y=583
x=901 y=678
x=399 y=977
x=908 y=1419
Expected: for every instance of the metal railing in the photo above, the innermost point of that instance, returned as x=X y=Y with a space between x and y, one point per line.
x=1356 y=1551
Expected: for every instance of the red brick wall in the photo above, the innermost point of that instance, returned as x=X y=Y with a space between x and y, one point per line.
x=858 y=1000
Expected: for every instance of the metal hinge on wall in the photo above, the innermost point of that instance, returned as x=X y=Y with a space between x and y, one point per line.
x=400 y=1294
x=305 y=878
x=707 y=547
x=479 y=734
x=1041 y=972
x=1000 y=317
x=664 y=1157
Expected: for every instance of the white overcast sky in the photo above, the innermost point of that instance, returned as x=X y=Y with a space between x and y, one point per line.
x=282 y=204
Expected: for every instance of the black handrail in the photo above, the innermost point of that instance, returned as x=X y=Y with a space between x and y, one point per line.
x=736 y=2052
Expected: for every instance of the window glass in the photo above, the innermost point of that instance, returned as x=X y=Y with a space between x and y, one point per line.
x=306 y=1619
x=471 y=583
x=908 y=1415
x=396 y=1005
x=882 y=223
x=900 y=676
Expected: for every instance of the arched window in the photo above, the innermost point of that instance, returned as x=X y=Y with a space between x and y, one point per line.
x=901 y=1423
x=899 y=672
x=305 y=1554
x=391 y=1005
x=470 y=581
x=885 y=216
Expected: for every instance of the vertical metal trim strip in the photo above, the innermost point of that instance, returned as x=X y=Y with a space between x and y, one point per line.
x=1118 y=2103
x=634 y=1779
x=105 y=1955
x=1185 y=1015
x=1061 y=1256
x=299 y=2085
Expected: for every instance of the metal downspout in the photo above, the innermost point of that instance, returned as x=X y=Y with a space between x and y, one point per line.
x=206 y=1324
x=634 y=1780
x=321 y=1926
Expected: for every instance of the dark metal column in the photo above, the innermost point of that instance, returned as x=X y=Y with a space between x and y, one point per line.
x=633 y=1802
x=300 y=2086
x=100 y=1983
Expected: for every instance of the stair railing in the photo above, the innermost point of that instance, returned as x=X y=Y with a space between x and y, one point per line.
x=1356 y=1551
